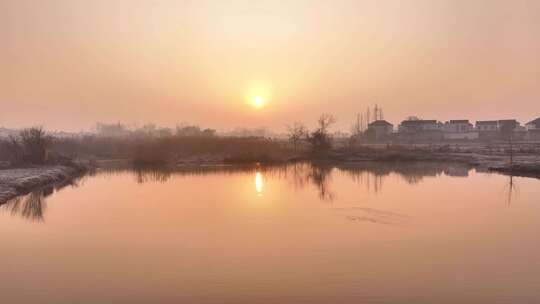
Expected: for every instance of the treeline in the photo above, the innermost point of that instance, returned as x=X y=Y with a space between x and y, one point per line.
x=30 y=146
x=153 y=145
x=151 y=130
x=318 y=141
x=155 y=150
x=35 y=146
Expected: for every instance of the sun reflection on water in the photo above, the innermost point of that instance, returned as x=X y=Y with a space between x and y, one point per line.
x=259 y=183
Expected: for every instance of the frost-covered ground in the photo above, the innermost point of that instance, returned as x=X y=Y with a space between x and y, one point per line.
x=14 y=182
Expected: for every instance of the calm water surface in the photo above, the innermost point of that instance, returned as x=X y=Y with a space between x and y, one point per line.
x=409 y=233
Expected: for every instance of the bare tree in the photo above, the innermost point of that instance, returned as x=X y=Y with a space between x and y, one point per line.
x=511 y=189
x=296 y=133
x=325 y=121
x=35 y=142
x=357 y=127
x=320 y=177
x=14 y=149
x=320 y=139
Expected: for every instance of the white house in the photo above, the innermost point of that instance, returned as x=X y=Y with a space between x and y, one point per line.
x=379 y=129
x=414 y=126
x=459 y=130
x=420 y=130
x=458 y=126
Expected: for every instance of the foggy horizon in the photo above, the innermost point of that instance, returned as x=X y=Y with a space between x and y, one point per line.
x=268 y=151
x=69 y=64
x=311 y=124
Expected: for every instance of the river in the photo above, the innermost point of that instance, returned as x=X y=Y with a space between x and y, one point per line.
x=369 y=233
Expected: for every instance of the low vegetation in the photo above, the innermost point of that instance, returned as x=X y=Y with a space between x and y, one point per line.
x=30 y=146
x=150 y=145
x=192 y=145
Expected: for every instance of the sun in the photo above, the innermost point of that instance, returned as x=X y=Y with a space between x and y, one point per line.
x=258 y=102
x=257 y=95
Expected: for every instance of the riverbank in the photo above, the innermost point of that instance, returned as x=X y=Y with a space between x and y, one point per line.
x=15 y=182
x=521 y=164
x=519 y=169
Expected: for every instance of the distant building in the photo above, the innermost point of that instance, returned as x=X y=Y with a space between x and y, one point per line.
x=414 y=126
x=379 y=130
x=487 y=126
x=533 y=130
x=508 y=125
x=458 y=126
x=420 y=130
x=487 y=129
x=520 y=133
x=511 y=129
x=459 y=130
x=533 y=125
x=499 y=129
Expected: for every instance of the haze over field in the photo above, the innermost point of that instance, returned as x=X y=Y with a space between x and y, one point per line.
x=67 y=64
x=269 y=151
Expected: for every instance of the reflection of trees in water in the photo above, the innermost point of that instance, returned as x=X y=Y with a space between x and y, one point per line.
x=32 y=206
x=300 y=174
x=368 y=179
x=369 y=174
x=511 y=189
x=372 y=174
x=320 y=176
x=304 y=174
x=299 y=180
x=163 y=174
x=144 y=176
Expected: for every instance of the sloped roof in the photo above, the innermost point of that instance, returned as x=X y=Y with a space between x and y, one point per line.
x=380 y=123
x=535 y=122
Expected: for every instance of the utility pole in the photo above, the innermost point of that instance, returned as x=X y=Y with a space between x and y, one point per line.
x=358 y=126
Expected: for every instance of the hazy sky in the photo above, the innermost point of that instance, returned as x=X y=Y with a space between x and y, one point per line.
x=68 y=64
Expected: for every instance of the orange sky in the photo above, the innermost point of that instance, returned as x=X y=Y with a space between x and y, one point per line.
x=68 y=64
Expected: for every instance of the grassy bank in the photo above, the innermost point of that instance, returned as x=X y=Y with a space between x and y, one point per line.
x=15 y=182
x=522 y=163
